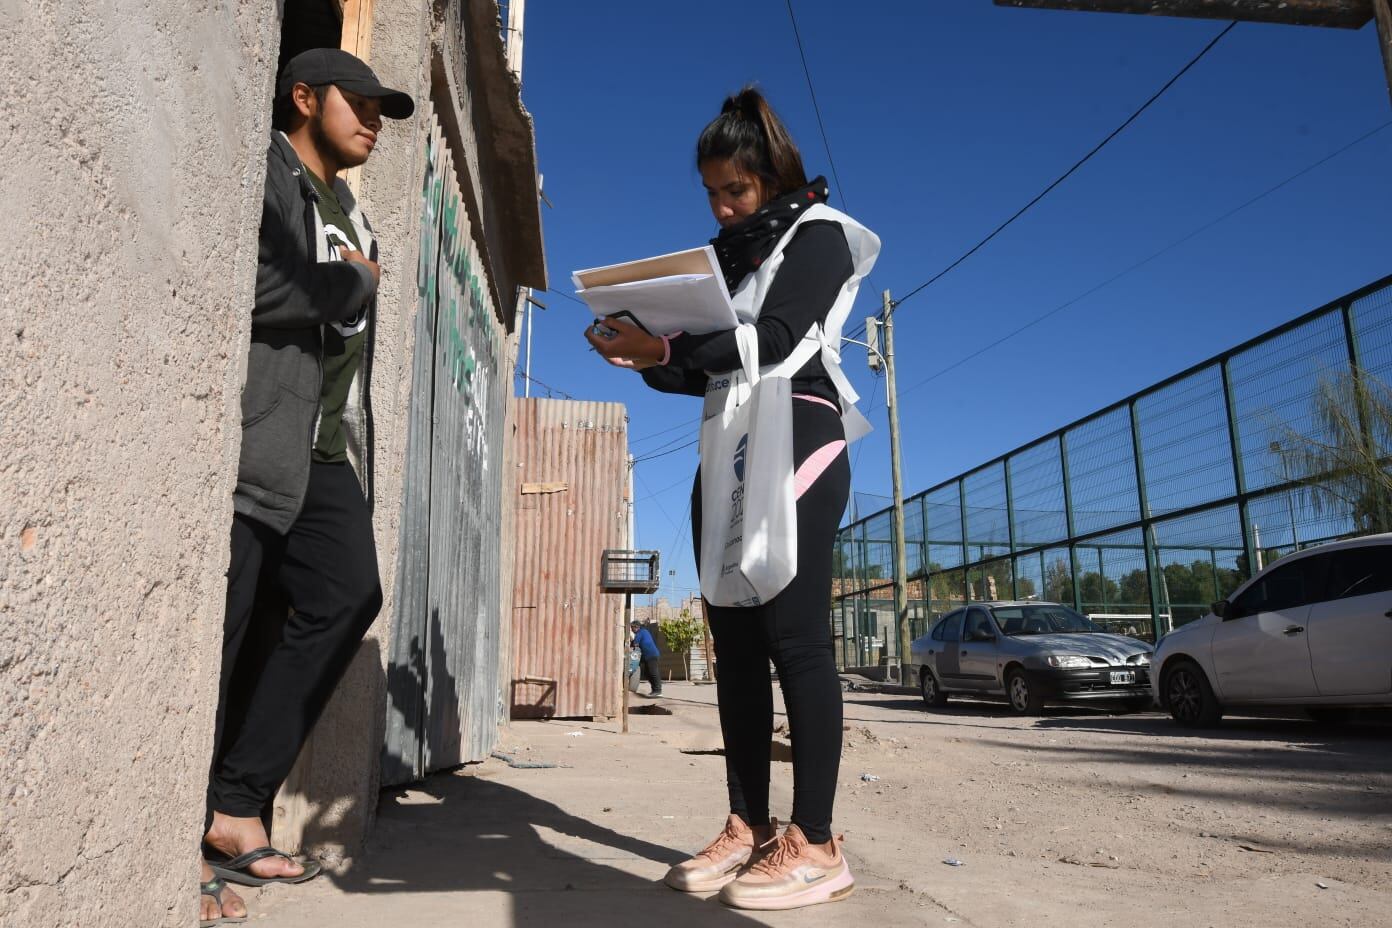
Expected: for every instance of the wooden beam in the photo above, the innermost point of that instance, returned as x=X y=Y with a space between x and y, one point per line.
x=530 y=489
x=1383 y=9
x=1343 y=14
x=357 y=40
x=357 y=28
x=513 y=48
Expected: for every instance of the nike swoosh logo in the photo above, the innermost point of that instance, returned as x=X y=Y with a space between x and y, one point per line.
x=812 y=879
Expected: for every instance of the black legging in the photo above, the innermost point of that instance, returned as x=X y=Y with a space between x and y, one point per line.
x=794 y=631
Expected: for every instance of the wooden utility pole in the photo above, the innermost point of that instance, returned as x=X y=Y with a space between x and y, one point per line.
x=901 y=560
x=1340 y=14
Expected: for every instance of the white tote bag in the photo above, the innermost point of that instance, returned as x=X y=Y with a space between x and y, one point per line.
x=748 y=505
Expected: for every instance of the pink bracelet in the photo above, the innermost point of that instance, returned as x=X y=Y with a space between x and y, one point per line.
x=667 y=348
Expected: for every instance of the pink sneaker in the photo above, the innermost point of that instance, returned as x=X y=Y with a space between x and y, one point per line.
x=720 y=861
x=791 y=874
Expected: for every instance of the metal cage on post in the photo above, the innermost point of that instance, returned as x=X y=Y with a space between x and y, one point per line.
x=622 y=571
x=627 y=572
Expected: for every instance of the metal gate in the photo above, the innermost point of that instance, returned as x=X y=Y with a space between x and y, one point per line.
x=443 y=667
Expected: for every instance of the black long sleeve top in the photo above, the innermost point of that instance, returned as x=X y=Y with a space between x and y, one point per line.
x=816 y=264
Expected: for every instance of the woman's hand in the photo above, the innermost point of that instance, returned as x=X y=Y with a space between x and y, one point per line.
x=630 y=347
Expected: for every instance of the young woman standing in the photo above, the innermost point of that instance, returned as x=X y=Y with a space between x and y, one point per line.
x=793 y=266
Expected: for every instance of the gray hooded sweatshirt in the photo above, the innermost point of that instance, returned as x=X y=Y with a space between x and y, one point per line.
x=299 y=289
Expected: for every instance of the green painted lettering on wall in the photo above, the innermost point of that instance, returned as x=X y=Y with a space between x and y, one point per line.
x=447 y=275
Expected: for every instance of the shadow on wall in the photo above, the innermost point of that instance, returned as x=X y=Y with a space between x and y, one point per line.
x=424 y=695
x=533 y=698
x=527 y=859
x=323 y=794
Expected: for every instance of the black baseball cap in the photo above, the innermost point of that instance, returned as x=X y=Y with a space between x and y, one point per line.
x=320 y=66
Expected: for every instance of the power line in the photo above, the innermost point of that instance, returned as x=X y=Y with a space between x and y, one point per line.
x=570 y=296
x=652 y=457
x=653 y=496
x=549 y=389
x=1069 y=173
x=821 y=126
x=826 y=144
x=682 y=528
x=857 y=333
x=665 y=490
x=1142 y=263
x=681 y=425
x=694 y=433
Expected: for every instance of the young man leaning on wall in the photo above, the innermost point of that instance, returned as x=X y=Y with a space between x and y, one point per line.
x=301 y=517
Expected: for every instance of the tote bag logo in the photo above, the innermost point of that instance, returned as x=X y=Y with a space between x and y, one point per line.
x=739 y=457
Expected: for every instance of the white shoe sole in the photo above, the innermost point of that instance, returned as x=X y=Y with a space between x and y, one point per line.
x=834 y=890
x=705 y=886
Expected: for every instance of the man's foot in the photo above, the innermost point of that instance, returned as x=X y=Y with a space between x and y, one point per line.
x=720 y=861
x=217 y=903
x=791 y=874
x=235 y=836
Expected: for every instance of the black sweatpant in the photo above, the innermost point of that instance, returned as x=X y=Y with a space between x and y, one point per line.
x=325 y=568
x=651 y=673
x=794 y=631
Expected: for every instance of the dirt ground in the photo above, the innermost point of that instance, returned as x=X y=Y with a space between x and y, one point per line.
x=1080 y=818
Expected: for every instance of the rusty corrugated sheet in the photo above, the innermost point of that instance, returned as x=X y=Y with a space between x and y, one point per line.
x=564 y=628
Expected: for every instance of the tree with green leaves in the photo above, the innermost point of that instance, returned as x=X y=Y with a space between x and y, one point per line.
x=1342 y=464
x=681 y=635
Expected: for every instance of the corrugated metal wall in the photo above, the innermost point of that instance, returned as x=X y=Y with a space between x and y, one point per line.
x=446 y=649
x=564 y=628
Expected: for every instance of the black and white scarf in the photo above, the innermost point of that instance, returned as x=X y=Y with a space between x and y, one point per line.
x=741 y=248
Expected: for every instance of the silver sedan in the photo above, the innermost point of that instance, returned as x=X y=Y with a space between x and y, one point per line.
x=1031 y=653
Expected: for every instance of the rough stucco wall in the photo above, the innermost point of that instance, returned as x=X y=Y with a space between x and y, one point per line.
x=328 y=803
x=132 y=145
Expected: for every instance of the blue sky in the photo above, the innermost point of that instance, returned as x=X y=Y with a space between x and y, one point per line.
x=944 y=118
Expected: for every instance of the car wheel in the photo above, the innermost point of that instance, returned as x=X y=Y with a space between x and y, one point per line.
x=933 y=695
x=1331 y=715
x=1189 y=696
x=1025 y=697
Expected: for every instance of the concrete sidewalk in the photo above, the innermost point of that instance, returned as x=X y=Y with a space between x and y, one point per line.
x=493 y=846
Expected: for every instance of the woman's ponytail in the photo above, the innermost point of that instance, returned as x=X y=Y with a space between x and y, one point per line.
x=749 y=133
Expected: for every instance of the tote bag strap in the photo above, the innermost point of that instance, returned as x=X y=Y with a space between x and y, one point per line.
x=747 y=338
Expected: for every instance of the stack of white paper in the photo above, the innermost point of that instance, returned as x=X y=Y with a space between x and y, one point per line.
x=680 y=292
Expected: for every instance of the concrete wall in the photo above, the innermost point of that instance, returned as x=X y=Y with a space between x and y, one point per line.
x=132 y=140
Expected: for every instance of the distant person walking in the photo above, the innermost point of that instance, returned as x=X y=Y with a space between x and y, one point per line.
x=793 y=266
x=643 y=641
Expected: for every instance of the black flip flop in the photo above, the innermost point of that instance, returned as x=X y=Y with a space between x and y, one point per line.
x=214 y=888
x=238 y=869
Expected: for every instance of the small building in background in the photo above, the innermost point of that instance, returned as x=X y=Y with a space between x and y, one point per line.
x=571 y=497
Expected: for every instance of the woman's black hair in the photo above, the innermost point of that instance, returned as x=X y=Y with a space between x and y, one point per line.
x=749 y=133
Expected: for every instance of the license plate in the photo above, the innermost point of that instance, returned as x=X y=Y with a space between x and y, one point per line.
x=1120 y=677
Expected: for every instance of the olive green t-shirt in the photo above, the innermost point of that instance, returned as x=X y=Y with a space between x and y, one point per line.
x=343 y=340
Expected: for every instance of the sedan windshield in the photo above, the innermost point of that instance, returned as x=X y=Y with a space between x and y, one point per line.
x=1043 y=619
